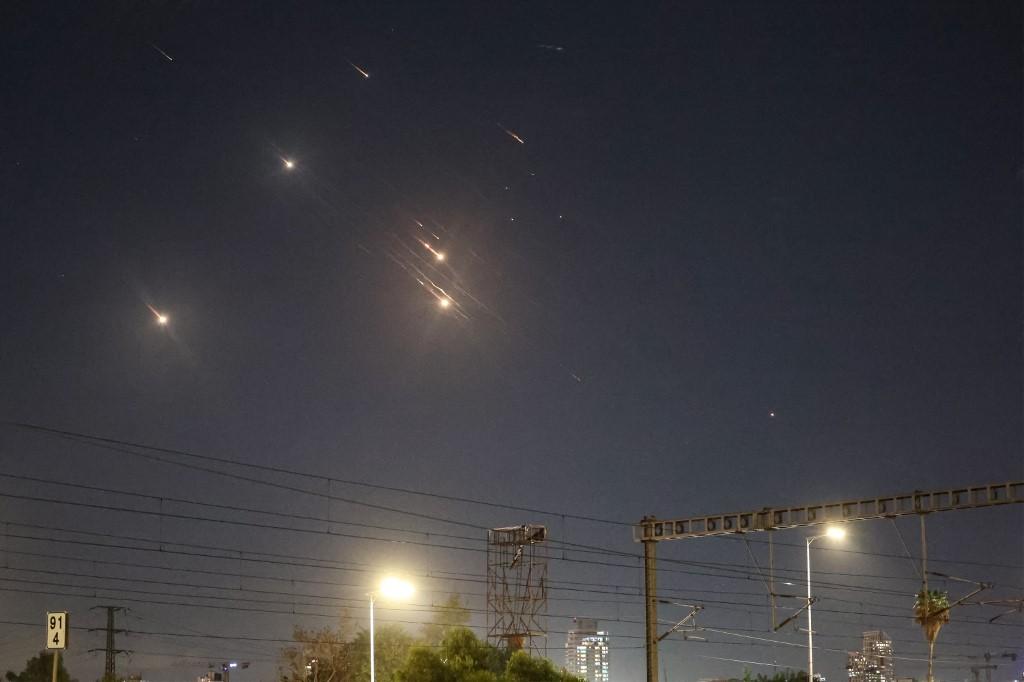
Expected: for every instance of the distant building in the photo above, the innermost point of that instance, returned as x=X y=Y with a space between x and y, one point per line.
x=586 y=651
x=874 y=662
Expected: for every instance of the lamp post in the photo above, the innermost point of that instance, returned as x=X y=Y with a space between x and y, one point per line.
x=390 y=588
x=836 y=533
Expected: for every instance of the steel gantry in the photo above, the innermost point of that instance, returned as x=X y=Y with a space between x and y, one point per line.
x=650 y=531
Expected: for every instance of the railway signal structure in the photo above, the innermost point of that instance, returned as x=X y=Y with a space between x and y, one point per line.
x=650 y=530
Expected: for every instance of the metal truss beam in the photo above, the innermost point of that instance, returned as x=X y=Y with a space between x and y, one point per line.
x=769 y=518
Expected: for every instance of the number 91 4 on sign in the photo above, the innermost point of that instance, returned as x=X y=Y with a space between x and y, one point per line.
x=57 y=630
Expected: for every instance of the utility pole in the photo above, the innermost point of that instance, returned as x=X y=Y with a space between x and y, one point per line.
x=651 y=605
x=110 y=669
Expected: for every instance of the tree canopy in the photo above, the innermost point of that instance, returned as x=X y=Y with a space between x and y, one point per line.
x=329 y=655
x=451 y=613
x=462 y=657
x=784 y=676
x=446 y=652
x=40 y=669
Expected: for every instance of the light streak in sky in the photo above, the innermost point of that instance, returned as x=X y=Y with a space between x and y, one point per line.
x=166 y=56
x=512 y=134
x=553 y=48
x=432 y=233
x=461 y=289
x=288 y=163
x=426 y=282
x=438 y=255
x=362 y=73
x=161 y=318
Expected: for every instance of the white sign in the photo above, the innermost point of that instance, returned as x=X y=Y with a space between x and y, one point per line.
x=57 y=630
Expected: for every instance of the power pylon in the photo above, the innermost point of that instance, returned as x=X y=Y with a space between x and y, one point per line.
x=110 y=669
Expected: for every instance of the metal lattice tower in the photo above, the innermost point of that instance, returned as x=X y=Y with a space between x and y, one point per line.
x=517 y=589
x=110 y=668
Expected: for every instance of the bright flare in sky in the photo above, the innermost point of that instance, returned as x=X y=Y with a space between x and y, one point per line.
x=438 y=255
x=444 y=302
x=512 y=134
x=161 y=318
x=361 y=71
x=288 y=163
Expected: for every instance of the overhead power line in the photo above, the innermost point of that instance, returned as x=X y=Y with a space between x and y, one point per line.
x=316 y=477
x=584 y=549
x=124 y=446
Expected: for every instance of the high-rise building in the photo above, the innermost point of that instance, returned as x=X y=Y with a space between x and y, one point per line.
x=874 y=662
x=586 y=651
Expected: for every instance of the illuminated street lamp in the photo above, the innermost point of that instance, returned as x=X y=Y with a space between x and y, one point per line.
x=836 y=533
x=390 y=588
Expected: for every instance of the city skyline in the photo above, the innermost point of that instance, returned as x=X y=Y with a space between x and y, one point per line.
x=874 y=662
x=586 y=651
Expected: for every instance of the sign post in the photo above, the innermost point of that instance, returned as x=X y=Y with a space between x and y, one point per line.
x=56 y=636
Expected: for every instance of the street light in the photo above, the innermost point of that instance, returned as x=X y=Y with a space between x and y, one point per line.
x=390 y=588
x=836 y=533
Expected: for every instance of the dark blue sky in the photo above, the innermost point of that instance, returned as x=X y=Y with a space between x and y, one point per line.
x=721 y=212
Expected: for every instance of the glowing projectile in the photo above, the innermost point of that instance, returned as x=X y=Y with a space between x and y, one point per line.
x=288 y=163
x=166 y=56
x=161 y=318
x=512 y=135
x=438 y=255
x=361 y=71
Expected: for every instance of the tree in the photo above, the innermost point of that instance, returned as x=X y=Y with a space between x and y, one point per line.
x=424 y=665
x=391 y=648
x=317 y=655
x=462 y=657
x=931 y=611
x=342 y=655
x=40 y=669
x=786 y=675
x=452 y=613
x=523 y=668
x=464 y=653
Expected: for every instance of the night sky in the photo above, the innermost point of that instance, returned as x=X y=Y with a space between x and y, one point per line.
x=697 y=258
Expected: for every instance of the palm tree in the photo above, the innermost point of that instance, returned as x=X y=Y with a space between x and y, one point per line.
x=931 y=611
